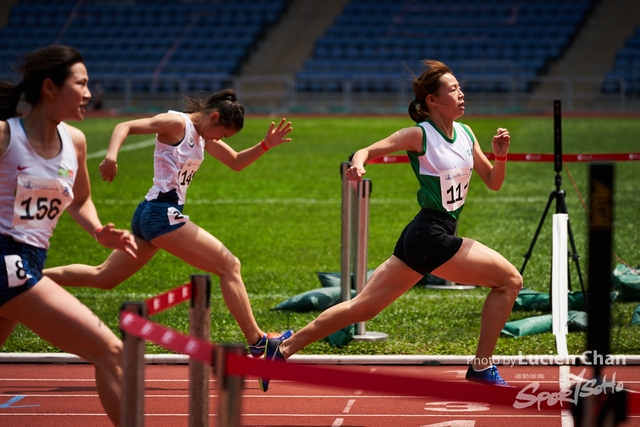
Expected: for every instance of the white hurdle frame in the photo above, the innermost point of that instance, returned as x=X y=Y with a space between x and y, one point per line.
x=560 y=282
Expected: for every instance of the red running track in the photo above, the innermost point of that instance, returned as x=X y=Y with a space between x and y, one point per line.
x=55 y=395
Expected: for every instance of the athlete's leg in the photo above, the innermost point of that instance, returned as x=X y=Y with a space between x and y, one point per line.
x=387 y=283
x=200 y=249
x=477 y=264
x=59 y=318
x=6 y=327
x=117 y=268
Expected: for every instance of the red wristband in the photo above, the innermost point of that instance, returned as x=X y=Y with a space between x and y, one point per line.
x=501 y=158
x=264 y=146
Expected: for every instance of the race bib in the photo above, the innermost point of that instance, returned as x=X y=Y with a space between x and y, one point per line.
x=176 y=217
x=187 y=173
x=40 y=201
x=454 y=184
x=16 y=274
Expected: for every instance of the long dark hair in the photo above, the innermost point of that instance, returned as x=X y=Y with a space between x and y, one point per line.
x=427 y=84
x=51 y=62
x=224 y=102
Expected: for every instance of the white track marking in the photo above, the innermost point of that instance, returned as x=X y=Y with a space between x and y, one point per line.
x=565 y=383
x=126 y=147
x=348 y=407
x=460 y=373
x=301 y=201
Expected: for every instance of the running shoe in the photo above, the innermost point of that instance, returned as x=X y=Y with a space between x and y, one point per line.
x=272 y=353
x=489 y=376
x=258 y=349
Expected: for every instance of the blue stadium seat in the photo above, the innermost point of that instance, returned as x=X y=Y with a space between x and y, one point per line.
x=626 y=67
x=118 y=38
x=529 y=34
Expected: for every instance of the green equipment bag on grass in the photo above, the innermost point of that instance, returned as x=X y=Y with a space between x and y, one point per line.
x=315 y=299
x=342 y=337
x=577 y=321
x=529 y=300
x=627 y=281
x=635 y=319
x=330 y=280
x=334 y=279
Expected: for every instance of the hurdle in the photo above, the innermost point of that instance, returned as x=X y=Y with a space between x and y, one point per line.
x=355 y=234
x=132 y=404
x=232 y=365
x=198 y=291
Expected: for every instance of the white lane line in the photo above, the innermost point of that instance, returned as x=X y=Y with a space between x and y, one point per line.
x=294 y=416
x=337 y=422
x=292 y=201
x=348 y=407
x=565 y=383
x=125 y=147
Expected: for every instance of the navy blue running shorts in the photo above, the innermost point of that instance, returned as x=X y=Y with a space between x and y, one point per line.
x=154 y=218
x=428 y=241
x=20 y=267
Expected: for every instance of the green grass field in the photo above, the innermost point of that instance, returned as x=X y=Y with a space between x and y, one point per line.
x=281 y=217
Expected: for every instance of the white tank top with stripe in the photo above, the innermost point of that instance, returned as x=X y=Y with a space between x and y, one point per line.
x=35 y=191
x=443 y=168
x=174 y=166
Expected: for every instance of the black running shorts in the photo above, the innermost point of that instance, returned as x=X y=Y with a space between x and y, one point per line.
x=428 y=241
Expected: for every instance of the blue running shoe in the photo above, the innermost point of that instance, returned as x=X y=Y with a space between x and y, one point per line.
x=258 y=349
x=272 y=353
x=489 y=376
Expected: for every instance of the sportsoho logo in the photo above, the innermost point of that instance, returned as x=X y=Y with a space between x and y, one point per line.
x=587 y=358
x=579 y=388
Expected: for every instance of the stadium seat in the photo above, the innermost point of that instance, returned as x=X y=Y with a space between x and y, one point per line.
x=480 y=32
x=626 y=68
x=118 y=38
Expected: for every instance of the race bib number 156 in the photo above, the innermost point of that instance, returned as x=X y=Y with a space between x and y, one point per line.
x=40 y=201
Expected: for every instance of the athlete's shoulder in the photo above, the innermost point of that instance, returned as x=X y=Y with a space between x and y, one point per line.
x=5 y=136
x=468 y=131
x=78 y=138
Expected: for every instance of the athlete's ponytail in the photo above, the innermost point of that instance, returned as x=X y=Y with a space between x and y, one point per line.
x=9 y=97
x=224 y=102
x=51 y=62
x=427 y=84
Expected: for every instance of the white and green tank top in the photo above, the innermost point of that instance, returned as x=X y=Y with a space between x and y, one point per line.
x=443 y=168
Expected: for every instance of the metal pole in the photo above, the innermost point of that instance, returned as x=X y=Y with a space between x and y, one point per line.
x=229 y=387
x=362 y=243
x=132 y=398
x=345 y=238
x=199 y=372
x=353 y=229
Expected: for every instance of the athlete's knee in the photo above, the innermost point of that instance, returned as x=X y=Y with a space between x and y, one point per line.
x=111 y=358
x=230 y=267
x=513 y=282
x=105 y=355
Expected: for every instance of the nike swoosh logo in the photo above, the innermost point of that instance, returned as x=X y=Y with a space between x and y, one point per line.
x=21 y=168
